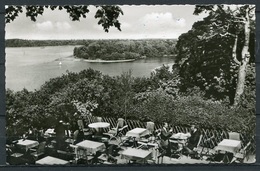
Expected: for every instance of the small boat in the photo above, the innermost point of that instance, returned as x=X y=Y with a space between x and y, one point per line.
x=60 y=63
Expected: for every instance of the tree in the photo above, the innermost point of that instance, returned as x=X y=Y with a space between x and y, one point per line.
x=217 y=51
x=240 y=18
x=107 y=14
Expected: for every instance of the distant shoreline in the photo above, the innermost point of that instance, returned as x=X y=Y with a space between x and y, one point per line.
x=107 y=61
x=73 y=58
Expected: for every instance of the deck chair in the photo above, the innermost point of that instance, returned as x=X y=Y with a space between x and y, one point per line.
x=80 y=124
x=149 y=138
x=74 y=149
x=117 y=133
x=39 y=151
x=196 y=154
x=98 y=119
x=242 y=154
x=110 y=155
x=161 y=155
x=120 y=124
x=174 y=150
x=150 y=127
x=206 y=148
x=234 y=136
x=82 y=157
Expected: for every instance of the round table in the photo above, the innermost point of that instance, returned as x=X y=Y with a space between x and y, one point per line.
x=180 y=139
x=99 y=125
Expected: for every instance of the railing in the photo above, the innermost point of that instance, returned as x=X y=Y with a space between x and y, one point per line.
x=210 y=137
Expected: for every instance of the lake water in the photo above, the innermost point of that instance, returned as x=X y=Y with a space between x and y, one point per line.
x=30 y=67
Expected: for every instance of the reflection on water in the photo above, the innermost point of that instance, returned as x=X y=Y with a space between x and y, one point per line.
x=30 y=67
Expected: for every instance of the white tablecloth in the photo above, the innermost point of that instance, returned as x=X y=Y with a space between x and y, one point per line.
x=51 y=161
x=180 y=138
x=49 y=133
x=91 y=146
x=133 y=153
x=99 y=125
x=228 y=145
x=137 y=132
x=27 y=144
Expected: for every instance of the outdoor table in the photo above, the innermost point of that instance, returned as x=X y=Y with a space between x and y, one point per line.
x=228 y=145
x=184 y=160
x=91 y=146
x=51 y=161
x=180 y=138
x=27 y=144
x=99 y=125
x=137 y=133
x=49 y=133
x=69 y=141
x=136 y=154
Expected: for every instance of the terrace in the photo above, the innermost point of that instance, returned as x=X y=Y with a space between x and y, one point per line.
x=119 y=141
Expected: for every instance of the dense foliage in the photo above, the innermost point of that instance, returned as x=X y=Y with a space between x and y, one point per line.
x=212 y=55
x=37 y=43
x=156 y=98
x=200 y=89
x=125 y=49
x=107 y=15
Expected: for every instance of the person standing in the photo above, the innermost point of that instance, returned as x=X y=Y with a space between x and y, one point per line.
x=60 y=134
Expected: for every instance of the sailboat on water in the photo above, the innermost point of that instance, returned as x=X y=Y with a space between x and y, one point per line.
x=60 y=63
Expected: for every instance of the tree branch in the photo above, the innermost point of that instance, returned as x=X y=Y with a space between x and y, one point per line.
x=240 y=18
x=234 y=52
x=215 y=24
x=226 y=34
x=251 y=8
x=240 y=22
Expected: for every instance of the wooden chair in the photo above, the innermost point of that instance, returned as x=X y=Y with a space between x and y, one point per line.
x=150 y=127
x=40 y=151
x=234 y=136
x=205 y=147
x=75 y=153
x=150 y=137
x=15 y=159
x=80 y=124
x=242 y=154
x=82 y=155
x=98 y=119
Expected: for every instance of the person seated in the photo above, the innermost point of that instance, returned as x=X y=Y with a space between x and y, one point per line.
x=30 y=134
x=166 y=133
x=193 y=140
x=78 y=136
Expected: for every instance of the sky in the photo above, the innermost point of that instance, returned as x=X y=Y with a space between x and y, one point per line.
x=138 y=22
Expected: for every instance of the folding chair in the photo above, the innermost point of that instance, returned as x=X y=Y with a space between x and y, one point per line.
x=117 y=133
x=242 y=154
x=234 y=136
x=40 y=151
x=83 y=156
x=98 y=119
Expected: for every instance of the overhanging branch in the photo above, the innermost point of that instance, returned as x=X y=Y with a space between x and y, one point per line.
x=234 y=52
